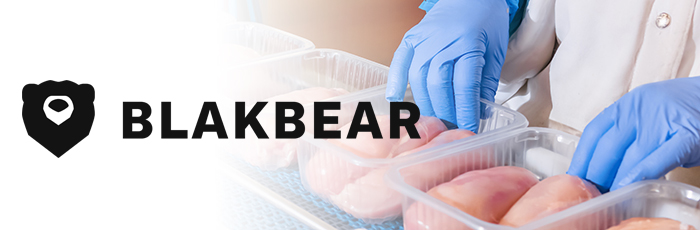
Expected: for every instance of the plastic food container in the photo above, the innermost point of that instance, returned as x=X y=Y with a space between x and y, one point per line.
x=249 y=41
x=657 y=198
x=337 y=175
x=545 y=152
x=329 y=68
x=260 y=81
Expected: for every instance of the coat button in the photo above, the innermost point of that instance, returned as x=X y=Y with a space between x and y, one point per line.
x=663 y=20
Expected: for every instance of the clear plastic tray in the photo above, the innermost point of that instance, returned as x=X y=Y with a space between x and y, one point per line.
x=499 y=149
x=656 y=198
x=249 y=41
x=328 y=68
x=259 y=81
x=497 y=119
x=283 y=200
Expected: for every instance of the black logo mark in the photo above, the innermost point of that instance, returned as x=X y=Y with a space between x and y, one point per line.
x=58 y=115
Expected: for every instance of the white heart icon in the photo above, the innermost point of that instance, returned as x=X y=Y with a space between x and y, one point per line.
x=58 y=117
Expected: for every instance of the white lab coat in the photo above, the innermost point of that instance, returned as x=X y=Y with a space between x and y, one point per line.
x=570 y=59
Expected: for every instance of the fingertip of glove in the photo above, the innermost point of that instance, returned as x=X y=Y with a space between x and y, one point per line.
x=393 y=98
x=620 y=184
x=631 y=177
x=575 y=172
x=449 y=125
x=473 y=128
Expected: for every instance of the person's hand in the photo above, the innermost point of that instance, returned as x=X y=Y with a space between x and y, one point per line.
x=452 y=58
x=644 y=135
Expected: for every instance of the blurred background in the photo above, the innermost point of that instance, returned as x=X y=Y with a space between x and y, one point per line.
x=368 y=28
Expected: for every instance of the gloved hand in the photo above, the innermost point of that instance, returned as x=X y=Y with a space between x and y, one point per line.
x=452 y=58
x=644 y=135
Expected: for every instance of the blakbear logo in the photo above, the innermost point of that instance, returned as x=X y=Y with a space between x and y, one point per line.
x=58 y=115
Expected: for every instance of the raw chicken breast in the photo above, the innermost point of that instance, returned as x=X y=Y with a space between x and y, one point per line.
x=371 y=198
x=309 y=96
x=550 y=196
x=366 y=146
x=271 y=154
x=640 y=223
x=327 y=173
x=485 y=194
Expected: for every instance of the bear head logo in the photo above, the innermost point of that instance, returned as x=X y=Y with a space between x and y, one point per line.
x=58 y=115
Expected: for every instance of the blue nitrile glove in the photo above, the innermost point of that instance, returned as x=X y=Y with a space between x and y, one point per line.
x=644 y=135
x=452 y=58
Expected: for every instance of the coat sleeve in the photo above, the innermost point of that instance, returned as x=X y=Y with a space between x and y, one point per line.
x=530 y=48
x=524 y=83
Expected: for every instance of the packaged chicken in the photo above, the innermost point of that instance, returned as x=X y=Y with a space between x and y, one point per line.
x=306 y=77
x=551 y=195
x=650 y=204
x=485 y=194
x=349 y=173
x=369 y=196
x=462 y=203
x=327 y=174
x=273 y=153
x=639 y=223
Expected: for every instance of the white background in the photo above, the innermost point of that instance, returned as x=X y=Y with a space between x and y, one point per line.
x=129 y=50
